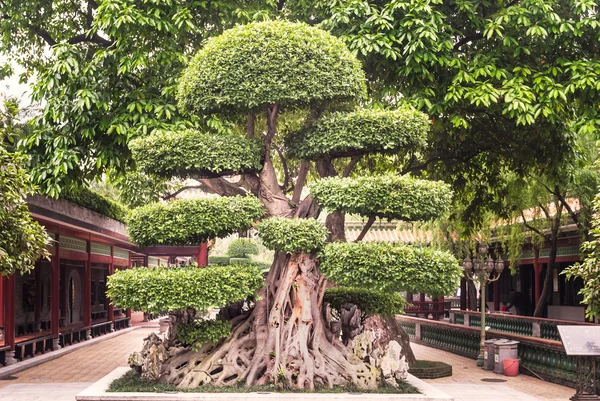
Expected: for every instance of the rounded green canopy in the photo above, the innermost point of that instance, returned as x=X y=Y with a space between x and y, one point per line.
x=192 y=221
x=192 y=153
x=275 y=62
x=386 y=196
x=344 y=134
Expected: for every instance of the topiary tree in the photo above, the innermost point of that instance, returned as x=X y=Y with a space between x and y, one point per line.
x=242 y=248
x=265 y=72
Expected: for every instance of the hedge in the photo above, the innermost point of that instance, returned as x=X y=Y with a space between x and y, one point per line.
x=218 y=260
x=292 y=235
x=385 y=196
x=192 y=221
x=242 y=247
x=259 y=64
x=241 y=261
x=343 y=134
x=88 y=199
x=369 y=301
x=192 y=153
x=391 y=267
x=160 y=289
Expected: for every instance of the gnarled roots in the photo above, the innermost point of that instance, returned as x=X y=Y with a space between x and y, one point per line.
x=284 y=340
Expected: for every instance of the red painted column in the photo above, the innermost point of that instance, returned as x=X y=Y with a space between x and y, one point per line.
x=87 y=291
x=1 y=303
x=422 y=305
x=537 y=268
x=203 y=255
x=9 y=310
x=110 y=311
x=55 y=294
x=128 y=310
x=464 y=293
x=440 y=307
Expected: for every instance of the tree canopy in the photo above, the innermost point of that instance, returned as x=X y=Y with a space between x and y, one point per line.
x=22 y=240
x=304 y=66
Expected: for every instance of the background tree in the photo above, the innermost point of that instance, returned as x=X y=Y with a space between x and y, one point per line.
x=507 y=83
x=22 y=240
x=260 y=72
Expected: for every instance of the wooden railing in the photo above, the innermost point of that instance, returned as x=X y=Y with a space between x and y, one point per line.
x=545 y=358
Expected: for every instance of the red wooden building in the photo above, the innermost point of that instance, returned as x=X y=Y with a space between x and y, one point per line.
x=63 y=300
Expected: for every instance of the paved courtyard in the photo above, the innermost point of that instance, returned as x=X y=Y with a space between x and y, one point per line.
x=62 y=378
x=466 y=383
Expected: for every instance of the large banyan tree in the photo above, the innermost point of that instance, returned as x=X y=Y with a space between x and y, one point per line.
x=321 y=316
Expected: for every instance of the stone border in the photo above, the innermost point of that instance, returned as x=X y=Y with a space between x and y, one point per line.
x=440 y=369
x=97 y=392
x=50 y=355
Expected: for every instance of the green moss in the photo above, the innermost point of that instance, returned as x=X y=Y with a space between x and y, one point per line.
x=132 y=382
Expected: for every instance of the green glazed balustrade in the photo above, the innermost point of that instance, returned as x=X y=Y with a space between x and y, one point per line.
x=410 y=329
x=507 y=325
x=549 y=331
x=451 y=340
x=459 y=318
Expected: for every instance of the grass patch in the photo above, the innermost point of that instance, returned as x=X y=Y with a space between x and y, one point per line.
x=132 y=382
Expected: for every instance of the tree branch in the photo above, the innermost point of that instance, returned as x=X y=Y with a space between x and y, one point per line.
x=467 y=39
x=286 y=172
x=250 y=126
x=569 y=209
x=350 y=167
x=300 y=181
x=85 y=37
x=530 y=227
x=180 y=190
x=546 y=212
x=365 y=229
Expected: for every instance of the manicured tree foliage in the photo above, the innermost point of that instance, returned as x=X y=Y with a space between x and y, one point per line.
x=242 y=248
x=22 y=240
x=261 y=74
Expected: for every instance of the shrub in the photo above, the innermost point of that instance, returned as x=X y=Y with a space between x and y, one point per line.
x=371 y=302
x=192 y=153
x=242 y=247
x=156 y=290
x=303 y=65
x=391 y=267
x=343 y=134
x=88 y=199
x=292 y=235
x=241 y=261
x=218 y=260
x=203 y=332
x=192 y=221
x=385 y=196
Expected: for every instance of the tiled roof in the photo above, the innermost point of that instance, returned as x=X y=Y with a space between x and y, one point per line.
x=389 y=234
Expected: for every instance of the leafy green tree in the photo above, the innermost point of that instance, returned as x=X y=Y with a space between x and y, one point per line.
x=589 y=269
x=242 y=248
x=22 y=240
x=257 y=74
x=507 y=83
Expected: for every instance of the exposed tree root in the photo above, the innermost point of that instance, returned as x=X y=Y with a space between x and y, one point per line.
x=283 y=340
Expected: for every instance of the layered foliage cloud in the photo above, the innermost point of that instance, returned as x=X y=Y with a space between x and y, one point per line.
x=385 y=196
x=391 y=267
x=363 y=131
x=190 y=222
x=274 y=62
x=165 y=289
x=369 y=301
x=192 y=153
x=292 y=235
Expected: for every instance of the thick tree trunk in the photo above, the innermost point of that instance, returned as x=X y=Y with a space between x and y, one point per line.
x=284 y=340
x=540 y=307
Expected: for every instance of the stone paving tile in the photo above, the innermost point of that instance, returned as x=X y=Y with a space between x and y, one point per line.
x=42 y=392
x=465 y=383
x=87 y=364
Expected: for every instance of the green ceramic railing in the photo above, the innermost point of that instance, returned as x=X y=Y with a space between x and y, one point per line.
x=409 y=327
x=539 y=357
x=459 y=318
x=508 y=325
x=549 y=331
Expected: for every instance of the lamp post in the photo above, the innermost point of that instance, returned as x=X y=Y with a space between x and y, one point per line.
x=481 y=270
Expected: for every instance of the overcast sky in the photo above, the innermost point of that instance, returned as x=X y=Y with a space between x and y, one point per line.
x=10 y=87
